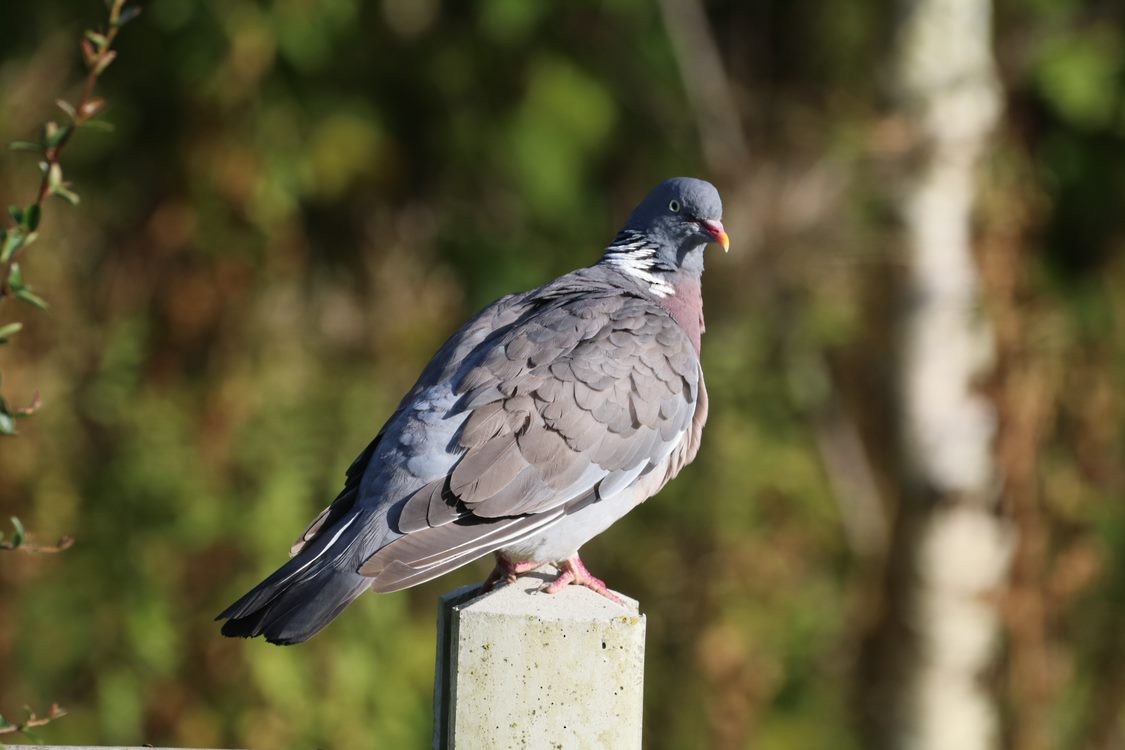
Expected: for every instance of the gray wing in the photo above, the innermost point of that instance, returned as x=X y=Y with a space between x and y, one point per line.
x=382 y=468
x=569 y=405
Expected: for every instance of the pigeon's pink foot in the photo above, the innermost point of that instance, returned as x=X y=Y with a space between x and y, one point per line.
x=507 y=571
x=571 y=571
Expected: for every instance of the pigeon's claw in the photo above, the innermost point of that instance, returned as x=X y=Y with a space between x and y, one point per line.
x=572 y=570
x=507 y=571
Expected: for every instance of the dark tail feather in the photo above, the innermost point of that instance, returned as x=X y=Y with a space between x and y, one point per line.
x=297 y=600
x=300 y=610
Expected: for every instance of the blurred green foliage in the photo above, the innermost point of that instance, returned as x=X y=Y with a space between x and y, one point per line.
x=301 y=200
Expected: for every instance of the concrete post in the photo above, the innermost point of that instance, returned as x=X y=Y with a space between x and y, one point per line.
x=517 y=668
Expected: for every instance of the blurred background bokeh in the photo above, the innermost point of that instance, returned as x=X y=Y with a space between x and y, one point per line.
x=302 y=199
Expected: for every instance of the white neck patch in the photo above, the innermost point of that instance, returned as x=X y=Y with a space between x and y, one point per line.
x=634 y=254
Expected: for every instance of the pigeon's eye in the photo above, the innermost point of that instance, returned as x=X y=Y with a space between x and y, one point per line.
x=674 y=206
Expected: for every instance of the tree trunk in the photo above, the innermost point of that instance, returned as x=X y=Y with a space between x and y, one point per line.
x=948 y=95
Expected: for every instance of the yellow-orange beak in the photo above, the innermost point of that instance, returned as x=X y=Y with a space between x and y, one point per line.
x=717 y=232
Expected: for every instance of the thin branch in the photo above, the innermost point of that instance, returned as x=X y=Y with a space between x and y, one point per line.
x=98 y=55
x=18 y=541
x=21 y=230
x=64 y=543
x=32 y=721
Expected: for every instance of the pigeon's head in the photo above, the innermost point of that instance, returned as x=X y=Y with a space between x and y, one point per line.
x=683 y=212
x=667 y=232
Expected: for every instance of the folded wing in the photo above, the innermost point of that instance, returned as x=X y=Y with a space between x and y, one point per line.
x=566 y=407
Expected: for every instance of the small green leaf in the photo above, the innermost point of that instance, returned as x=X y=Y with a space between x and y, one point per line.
x=15 y=277
x=18 y=536
x=32 y=215
x=13 y=242
x=9 y=330
x=102 y=125
x=17 y=213
x=15 y=281
x=66 y=107
x=4 y=723
x=26 y=146
x=56 y=135
x=66 y=194
x=104 y=62
x=54 y=174
x=7 y=424
x=96 y=38
x=31 y=298
x=16 y=240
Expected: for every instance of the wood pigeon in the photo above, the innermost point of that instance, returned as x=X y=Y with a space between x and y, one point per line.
x=539 y=423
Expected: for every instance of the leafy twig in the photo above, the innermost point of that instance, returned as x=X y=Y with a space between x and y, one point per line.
x=31 y=722
x=97 y=52
x=18 y=540
x=22 y=227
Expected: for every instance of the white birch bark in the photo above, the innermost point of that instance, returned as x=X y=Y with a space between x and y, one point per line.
x=948 y=93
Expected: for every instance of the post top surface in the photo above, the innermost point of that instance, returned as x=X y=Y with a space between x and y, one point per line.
x=524 y=597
